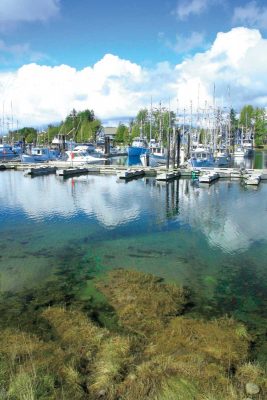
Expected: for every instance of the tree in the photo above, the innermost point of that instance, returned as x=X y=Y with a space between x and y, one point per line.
x=122 y=134
x=246 y=117
x=260 y=126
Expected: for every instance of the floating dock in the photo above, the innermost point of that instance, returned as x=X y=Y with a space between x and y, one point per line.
x=209 y=177
x=44 y=170
x=166 y=176
x=130 y=173
x=253 y=179
x=159 y=172
x=71 y=171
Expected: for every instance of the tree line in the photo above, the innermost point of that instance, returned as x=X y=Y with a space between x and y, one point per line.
x=83 y=126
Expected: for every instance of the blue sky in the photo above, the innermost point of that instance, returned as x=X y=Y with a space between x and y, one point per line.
x=170 y=44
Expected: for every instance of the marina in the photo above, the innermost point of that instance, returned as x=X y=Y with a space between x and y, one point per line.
x=133 y=193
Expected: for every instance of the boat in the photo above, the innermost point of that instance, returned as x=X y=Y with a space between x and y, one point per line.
x=201 y=156
x=82 y=157
x=152 y=160
x=239 y=152
x=40 y=154
x=6 y=151
x=222 y=159
x=89 y=147
x=248 y=147
x=139 y=146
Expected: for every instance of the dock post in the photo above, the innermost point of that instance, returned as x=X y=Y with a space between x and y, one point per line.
x=178 y=147
x=107 y=145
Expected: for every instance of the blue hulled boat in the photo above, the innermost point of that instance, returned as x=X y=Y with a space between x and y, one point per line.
x=138 y=147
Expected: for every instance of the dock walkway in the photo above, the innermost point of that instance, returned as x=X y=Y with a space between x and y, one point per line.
x=52 y=166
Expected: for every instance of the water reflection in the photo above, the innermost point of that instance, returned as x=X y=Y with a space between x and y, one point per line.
x=211 y=238
x=229 y=215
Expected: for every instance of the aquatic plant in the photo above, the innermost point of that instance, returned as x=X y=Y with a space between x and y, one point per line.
x=220 y=340
x=155 y=355
x=143 y=302
x=77 y=335
x=110 y=366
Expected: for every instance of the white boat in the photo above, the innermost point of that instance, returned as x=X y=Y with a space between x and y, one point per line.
x=40 y=154
x=239 y=152
x=60 y=142
x=6 y=151
x=83 y=157
x=248 y=147
x=209 y=177
x=89 y=148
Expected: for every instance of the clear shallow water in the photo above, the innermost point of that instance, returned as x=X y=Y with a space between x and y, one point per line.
x=212 y=239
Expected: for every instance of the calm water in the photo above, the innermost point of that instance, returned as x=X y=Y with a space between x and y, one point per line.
x=210 y=238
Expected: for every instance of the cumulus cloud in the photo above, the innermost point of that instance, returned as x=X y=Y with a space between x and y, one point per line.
x=28 y=10
x=251 y=15
x=116 y=88
x=229 y=62
x=186 y=8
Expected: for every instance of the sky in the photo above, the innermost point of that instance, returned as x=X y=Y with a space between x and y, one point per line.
x=115 y=56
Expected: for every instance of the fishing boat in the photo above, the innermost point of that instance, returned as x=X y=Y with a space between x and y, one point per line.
x=139 y=146
x=248 y=147
x=239 y=152
x=222 y=159
x=40 y=154
x=6 y=151
x=201 y=156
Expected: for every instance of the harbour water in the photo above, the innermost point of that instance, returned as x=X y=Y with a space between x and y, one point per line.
x=57 y=234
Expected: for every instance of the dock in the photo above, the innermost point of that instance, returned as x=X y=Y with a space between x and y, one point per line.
x=209 y=177
x=130 y=173
x=125 y=172
x=43 y=170
x=167 y=176
x=71 y=171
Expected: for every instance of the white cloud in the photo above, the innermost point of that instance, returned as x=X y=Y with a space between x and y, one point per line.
x=184 y=44
x=28 y=10
x=251 y=15
x=18 y=53
x=117 y=88
x=186 y=8
x=229 y=62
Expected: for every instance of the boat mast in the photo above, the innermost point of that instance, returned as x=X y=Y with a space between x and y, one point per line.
x=214 y=121
x=150 y=127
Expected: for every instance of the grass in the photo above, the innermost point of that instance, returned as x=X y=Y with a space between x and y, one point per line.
x=157 y=354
